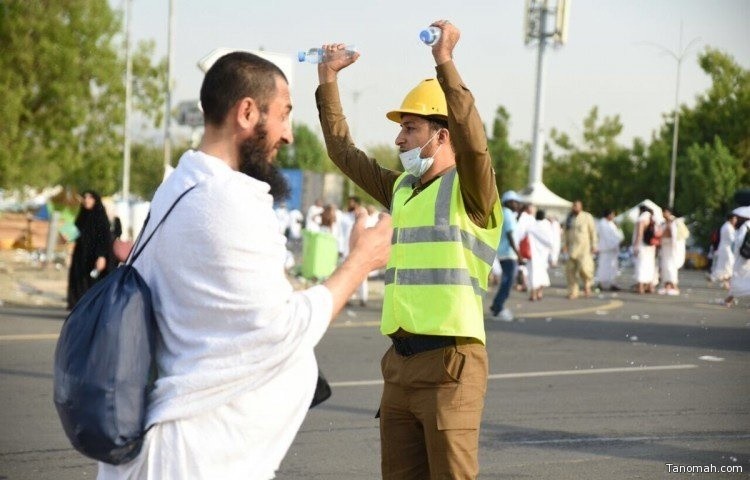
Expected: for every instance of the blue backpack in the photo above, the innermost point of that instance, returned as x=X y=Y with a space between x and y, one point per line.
x=104 y=363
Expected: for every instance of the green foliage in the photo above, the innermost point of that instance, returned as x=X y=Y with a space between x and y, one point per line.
x=387 y=156
x=713 y=174
x=510 y=164
x=722 y=111
x=306 y=153
x=599 y=171
x=61 y=73
x=627 y=227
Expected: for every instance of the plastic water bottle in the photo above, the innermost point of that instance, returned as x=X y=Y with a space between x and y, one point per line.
x=430 y=35
x=318 y=55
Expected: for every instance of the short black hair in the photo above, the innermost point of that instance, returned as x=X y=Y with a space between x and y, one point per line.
x=437 y=122
x=233 y=77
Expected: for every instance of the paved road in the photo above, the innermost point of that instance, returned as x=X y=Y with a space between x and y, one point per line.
x=614 y=387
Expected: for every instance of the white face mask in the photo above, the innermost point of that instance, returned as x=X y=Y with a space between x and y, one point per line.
x=413 y=163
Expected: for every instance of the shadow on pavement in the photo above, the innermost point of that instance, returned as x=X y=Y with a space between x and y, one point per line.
x=707 y=337
x=640 y=446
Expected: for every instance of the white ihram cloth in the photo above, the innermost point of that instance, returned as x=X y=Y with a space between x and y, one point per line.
x=540 y=235
x=556 y=242
x=672 y=254
x=739 y=286
x=236 y=365
x=645 y=261
x=724 y=255
x=610 y=236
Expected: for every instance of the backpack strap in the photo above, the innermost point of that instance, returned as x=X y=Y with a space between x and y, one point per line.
x=135 y=251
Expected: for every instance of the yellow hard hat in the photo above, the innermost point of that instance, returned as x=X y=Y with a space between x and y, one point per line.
x=426 y=99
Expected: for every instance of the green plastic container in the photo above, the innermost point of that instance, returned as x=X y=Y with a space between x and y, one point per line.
x=320 y=254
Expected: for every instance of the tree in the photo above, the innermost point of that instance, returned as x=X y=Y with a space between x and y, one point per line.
x=713 y=155
x=714 y=174
x=61 y=72
x=723 y=111
x=599 y=171
x=510 y=163
x=306 y=153
x=387 y=156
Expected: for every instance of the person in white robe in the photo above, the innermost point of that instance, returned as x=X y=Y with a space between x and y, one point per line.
x=236 y=366
x=556 y=241
x=610 y=237
x=739 y=286
x=295 y=225
x=645 y=254
x=313 y=217
x=282 y=216
x=723 y=259
x=672 y=251
x=540 y=235
x=526 y=219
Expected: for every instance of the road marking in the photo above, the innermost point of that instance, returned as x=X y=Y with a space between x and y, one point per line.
x=549 y=373
x=34 y=336
x=563 y=313
x=374 y=323
x=656 y=438
x=350 y=324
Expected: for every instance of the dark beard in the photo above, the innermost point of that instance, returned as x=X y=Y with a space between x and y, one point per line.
x=255 y=162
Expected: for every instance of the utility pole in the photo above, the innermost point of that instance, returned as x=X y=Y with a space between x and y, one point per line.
x=537 y=13
x=168 y=113
x=125 y=216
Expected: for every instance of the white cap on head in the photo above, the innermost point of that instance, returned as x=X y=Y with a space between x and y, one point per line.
x=511 y=195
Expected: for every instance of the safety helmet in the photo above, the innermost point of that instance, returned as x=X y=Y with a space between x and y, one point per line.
x=426 y=99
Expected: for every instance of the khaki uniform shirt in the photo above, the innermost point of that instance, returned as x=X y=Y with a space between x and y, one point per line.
x=473 y=163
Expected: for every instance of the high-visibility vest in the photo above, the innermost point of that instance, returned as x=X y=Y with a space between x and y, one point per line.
x=440 y=261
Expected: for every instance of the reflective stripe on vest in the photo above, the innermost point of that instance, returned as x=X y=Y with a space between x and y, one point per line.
x=436 y=278
x=433 y=276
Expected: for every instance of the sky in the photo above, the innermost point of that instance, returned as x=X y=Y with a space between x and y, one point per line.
x=614 y=59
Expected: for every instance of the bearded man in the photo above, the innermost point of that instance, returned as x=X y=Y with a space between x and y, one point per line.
x=235 y=356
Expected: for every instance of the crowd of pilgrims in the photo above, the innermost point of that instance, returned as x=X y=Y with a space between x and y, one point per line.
x=593 y=250
x=657 y=250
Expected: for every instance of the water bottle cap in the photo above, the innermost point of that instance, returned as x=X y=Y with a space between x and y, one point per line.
x=426 y=36
x=301 y=56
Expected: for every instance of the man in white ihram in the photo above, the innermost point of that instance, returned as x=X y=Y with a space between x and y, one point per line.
x=610 y=238
x=237 y=370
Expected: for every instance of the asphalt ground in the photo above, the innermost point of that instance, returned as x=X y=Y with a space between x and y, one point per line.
x=617 y=386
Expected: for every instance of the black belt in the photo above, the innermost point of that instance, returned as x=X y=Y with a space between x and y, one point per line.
x=413 y=344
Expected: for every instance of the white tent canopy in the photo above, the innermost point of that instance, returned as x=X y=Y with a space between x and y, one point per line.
x=542 y=197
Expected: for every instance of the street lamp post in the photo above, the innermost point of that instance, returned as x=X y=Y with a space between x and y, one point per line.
x=168 y=113
x=126 y=129
x=676 y=129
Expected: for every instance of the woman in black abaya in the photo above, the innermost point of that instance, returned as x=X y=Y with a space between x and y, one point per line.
x=92 y=254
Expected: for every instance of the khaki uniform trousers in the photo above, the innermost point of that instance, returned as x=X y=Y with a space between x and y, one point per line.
x=579 y=268
x=430 y=412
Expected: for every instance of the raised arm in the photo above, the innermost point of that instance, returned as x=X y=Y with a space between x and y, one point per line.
x=353 y=162
x=473 y=162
